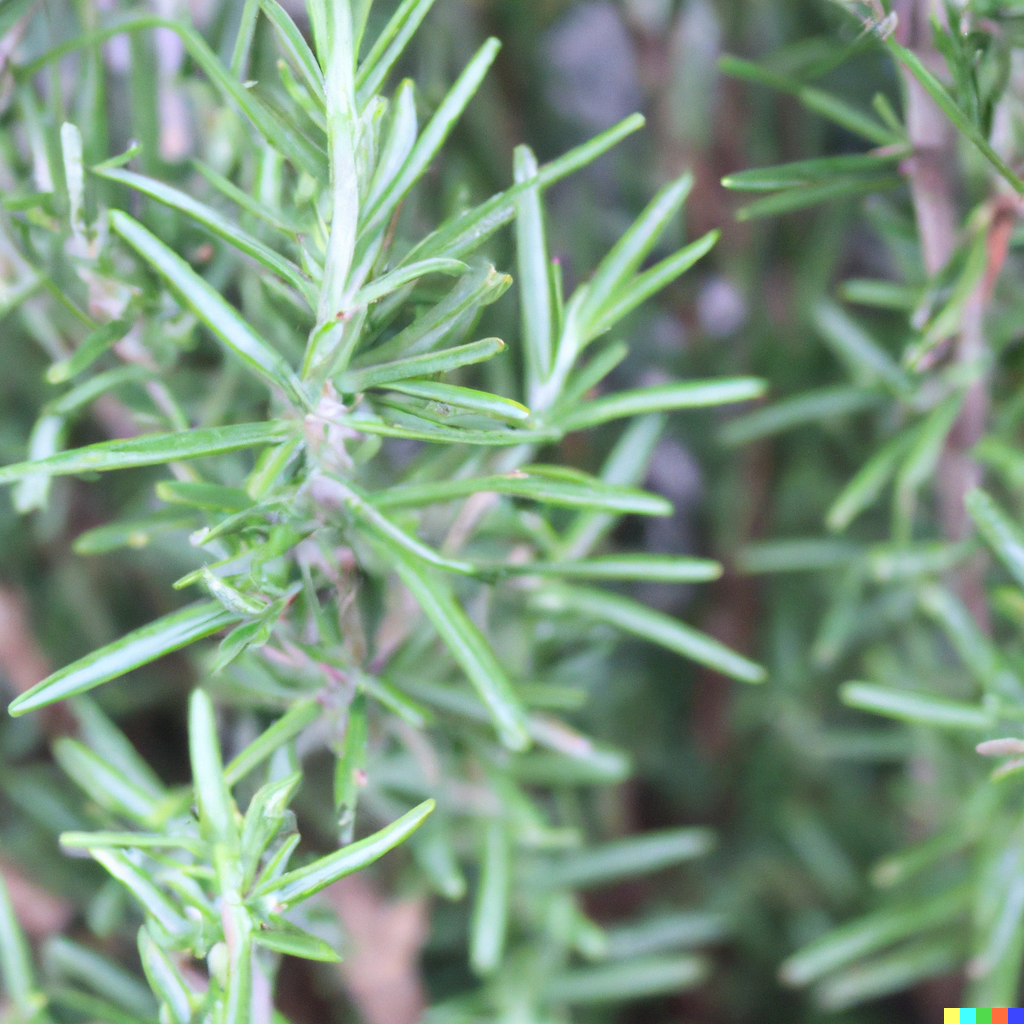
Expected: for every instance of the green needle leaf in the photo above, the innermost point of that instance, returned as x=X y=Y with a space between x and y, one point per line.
x=469 y=648
x=153 y=450
x=535 y=298
x=389 y=283
x=16 y=961
x=291 y=941
x=299 y=885
x=296 y=47
x=914 y=706
x=626 y=858
x=433 y=135
x=221 y=318
x=665 y=932
x=850 y=942
x=635 y=979
x=892 y=972
x=653 y=281
x=93 y=1008
x=78 y=397
x=642 y=621
x=949 y=107
x=869 y=481
x=807 y=172
x=776 y=556
x=464 y=398
x=812 y=195
x=403 y=423
x=135 y=533
x=107 y=786
x=379 y=525
x=1000 y=532
x=481 y=287
x=821 y=102
x=138 y=882
x=490 y=911
x=92 y=347
x=277 y=132
x=286 y=728
x=104 y=738
x=247 y=202
x=622 y=261
x=216 y=808
x=812 y=406
x=414 y=367
x=661 y=398
x=868 y=361
x=71 y=962
x=465 y=232
x=165 y=979
x=214 y=497
x=131 y=841
x=533 y=483
x=167 y=634
x=654 y=568
x=218 y=225
x=389 y=47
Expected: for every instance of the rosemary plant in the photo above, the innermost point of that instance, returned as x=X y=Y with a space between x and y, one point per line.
x=383 y=528
x=918 y=612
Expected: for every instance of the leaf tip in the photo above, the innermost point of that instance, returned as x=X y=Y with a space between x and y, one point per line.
x=751 y=672
x=16 y=708
x=30 y=700
x=514 y=735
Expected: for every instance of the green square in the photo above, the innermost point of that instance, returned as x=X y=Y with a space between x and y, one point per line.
x=984 y=1015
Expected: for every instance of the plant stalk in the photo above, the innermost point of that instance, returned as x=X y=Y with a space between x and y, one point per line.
x=932 y=189
x=341 y=139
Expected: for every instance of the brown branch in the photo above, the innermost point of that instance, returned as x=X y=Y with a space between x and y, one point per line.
x=929 y=173
x=381 y=971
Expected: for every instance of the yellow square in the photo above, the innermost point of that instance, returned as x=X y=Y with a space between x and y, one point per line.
x=951 y=1016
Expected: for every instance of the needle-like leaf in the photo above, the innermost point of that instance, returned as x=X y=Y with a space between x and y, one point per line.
x=469 y=648
x=214 y=222
x=16 y=960
x=661 y=398
x=415 y=367
x=433 y=135
x=216 y=808
x=167 y=634
x=533 y=483
x=299 y=885
x=389 y=46
x=490 y=911
x=152 y=450
x=657 y=627
x=914 y=706
x=211 y=307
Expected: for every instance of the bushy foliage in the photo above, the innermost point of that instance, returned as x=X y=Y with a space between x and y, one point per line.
x=406 y=571
x=400 y=451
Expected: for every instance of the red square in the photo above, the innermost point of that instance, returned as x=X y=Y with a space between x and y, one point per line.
x=1000 y=1016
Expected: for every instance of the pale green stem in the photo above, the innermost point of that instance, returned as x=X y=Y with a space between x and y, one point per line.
x=567 y=352
x=243 y=41
x=341 y=136
x=236 y=1006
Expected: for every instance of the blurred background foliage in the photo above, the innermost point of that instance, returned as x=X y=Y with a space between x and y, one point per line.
x=807 y=796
